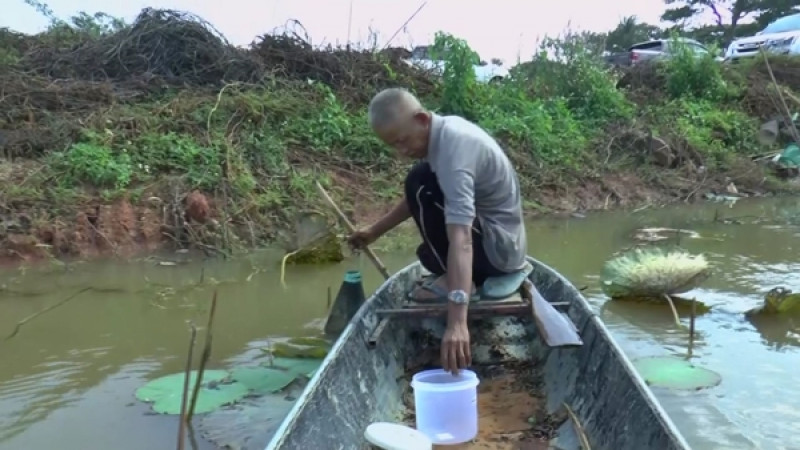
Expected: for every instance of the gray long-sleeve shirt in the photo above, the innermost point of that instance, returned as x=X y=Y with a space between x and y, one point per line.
x=478 y=181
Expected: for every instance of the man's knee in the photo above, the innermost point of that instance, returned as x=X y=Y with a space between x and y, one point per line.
x=418 y=176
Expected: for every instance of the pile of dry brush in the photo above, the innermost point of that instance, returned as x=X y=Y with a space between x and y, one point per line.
x=164 y=48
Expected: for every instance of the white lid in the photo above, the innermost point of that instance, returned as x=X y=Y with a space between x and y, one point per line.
x=393 y=436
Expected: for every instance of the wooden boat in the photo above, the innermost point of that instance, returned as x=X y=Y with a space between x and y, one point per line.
x=530 y=395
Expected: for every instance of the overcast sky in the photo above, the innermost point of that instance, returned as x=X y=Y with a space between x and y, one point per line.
x=503 y=30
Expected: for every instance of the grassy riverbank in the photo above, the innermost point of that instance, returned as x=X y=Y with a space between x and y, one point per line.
x=161 y=133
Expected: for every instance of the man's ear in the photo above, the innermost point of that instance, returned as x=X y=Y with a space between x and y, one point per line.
x=422 y=117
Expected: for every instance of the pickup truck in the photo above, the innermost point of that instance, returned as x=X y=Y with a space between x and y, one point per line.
x=782 y=36
x=652 y=50
x=484 y=72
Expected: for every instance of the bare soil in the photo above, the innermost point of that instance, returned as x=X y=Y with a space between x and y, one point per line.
x=511 y=414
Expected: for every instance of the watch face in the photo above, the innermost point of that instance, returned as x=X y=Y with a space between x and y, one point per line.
x=458 y=296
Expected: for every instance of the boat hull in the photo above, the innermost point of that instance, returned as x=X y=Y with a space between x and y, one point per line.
x=357 y=385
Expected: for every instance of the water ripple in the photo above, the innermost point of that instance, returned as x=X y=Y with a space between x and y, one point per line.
x=27 y=399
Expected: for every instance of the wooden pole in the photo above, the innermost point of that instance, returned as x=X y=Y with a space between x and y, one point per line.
x=204 y=358
x=350 y=227
x=185 y=396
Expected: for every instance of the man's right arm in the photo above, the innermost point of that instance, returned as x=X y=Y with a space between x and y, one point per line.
x=399 y=214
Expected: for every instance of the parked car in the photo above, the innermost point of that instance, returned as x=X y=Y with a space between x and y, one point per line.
x=485 y=72
x=654 y=50
x=782 y=36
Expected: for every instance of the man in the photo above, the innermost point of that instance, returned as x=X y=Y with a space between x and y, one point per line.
x=465 y=198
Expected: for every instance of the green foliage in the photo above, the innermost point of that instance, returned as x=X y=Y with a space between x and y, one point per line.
x=717 y=131
x=692 y=74
x=173 y=153
x=459 y=83
x=545 y=130
x=267 y=143
x=94 y=162
x=569 y=70
x=550 y=112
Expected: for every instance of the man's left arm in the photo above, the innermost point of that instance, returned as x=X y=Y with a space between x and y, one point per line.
x=459 y=216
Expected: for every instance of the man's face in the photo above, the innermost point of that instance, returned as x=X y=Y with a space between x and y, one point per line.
x=409 y=137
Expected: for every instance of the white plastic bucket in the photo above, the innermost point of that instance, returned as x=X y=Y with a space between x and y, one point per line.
x=446 y=405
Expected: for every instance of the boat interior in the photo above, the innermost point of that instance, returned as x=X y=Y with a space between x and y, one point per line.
x=512 y=401
x=531 y=395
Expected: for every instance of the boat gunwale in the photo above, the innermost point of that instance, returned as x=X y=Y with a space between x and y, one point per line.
x=577 y=301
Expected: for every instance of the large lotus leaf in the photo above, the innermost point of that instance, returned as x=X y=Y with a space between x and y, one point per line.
x=296 y=366
x=653 y=272
x=250 y=424
x=263 y=380
x=216 y=390
x=675 y=373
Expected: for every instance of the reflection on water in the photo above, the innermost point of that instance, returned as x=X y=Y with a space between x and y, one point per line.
x=68 y=377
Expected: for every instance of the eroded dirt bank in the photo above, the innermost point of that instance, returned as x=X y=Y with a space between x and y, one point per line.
x=127 y=228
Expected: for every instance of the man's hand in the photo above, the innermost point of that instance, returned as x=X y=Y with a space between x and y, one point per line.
x=456 y=354
x=360 y=239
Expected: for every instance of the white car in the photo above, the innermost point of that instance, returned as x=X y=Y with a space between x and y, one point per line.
x=484 y=72
x=781 y=36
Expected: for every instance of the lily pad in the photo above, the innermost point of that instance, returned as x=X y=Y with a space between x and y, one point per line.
x=216 y=390
x=263 y=380
x=675 y=373
x=286 y=350
x=297 y=366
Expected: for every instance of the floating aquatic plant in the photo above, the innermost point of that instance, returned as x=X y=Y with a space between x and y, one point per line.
x=217 y=388
x=780 y=301
x=653 y=272
x=675 y=373
x=222 y=387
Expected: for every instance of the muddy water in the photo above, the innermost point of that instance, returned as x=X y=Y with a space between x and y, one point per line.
x=67 y=378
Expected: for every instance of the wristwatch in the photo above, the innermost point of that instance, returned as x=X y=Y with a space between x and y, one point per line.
x=458 y=297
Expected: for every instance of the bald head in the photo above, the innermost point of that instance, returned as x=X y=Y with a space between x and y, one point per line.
x=390 y=105
x=400 y=121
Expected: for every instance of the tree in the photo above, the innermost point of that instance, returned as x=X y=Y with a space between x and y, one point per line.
x=728 y=14
x=775 y=9
x=628 y=32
